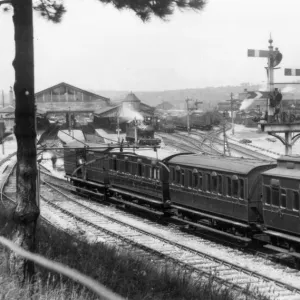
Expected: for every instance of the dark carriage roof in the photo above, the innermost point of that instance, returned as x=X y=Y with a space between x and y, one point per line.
x=219 y=163
x=288 y=167
x=160 y=154
x=88 y=145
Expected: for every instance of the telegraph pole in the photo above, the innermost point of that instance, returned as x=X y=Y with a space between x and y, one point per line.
x=232 y=120
x=231 y=108
x=3 y=98
x=188 y=115
x=118 y=126
x=270 y=109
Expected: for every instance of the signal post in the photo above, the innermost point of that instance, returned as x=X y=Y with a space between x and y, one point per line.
x=277 y=122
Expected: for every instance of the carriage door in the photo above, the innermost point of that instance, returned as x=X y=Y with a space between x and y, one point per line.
x=80 y=160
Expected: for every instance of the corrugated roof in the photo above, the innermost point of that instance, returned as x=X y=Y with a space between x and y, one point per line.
x=218 y=163
x=76 y=88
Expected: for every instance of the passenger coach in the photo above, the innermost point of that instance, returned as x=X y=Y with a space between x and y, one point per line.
x=281 y=202
x=225 y=191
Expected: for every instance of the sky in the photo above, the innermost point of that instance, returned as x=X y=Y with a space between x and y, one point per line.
x=97 y=47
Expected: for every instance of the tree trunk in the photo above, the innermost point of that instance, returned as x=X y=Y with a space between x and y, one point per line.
x=26 y=212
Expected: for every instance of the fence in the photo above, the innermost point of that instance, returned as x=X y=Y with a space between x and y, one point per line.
x=91 y=284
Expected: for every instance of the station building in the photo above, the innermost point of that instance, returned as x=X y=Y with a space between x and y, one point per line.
x=63 y=96
x=130 y=108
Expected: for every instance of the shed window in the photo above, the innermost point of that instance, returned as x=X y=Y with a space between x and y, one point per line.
x=235 y=188
x=228 y=186
x=195 y=179
x=283 y=198
x=275 y=196
x=214 y=180
x=220 y=184
x=267 y=194
x=127 y=166
x=208 y=182
x=242 y=188
x=190 y=178
x=295 y=200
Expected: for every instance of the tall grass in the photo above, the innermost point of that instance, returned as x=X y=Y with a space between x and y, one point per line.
x=125 y=272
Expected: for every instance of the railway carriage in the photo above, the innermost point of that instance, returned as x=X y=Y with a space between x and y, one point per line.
x=142 y=173
x=241 y=198
x=281 y=202
x=86 y=164
x=226 y=192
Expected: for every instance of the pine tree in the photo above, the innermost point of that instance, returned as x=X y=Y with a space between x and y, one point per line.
x=26 y=212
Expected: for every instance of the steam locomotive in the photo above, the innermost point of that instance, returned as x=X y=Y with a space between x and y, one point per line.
x=141 y=132
x=242 y=199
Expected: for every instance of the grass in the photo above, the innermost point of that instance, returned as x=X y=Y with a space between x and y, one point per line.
x=127 y=274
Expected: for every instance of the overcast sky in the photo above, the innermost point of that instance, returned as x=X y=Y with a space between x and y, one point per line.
x=97 y=47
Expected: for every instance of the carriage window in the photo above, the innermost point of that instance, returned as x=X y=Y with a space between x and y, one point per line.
x=296 y=200
x=235 y=188
x=275 y=196
x=195 y=179
x=208 y=182
x=283 y=198
x=173 y=174
x=126 y=166
x=228 y=186
x=139 y=169
x=242 y=191
x=214 y=180
x=154 y=173
x=178 y=173
x=133 y=168
x=158 y=173
x=220 y=186
x=267 y=195
x=182 y=177
x=114 y=164
x=200 y=181
x=190 y=179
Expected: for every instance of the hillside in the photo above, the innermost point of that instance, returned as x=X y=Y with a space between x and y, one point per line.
x=209 y=95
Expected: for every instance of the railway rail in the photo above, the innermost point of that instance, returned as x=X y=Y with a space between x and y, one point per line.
x=239 y=149
x=173 y=249
x=176 y=249
x=156 y=240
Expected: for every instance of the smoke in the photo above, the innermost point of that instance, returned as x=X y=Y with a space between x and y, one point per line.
x=246 y=103
x=129 y=114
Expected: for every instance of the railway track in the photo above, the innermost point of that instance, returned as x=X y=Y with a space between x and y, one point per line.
x=237 y=148
x=162 y=245
x=169 y=140
x=192 y=253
